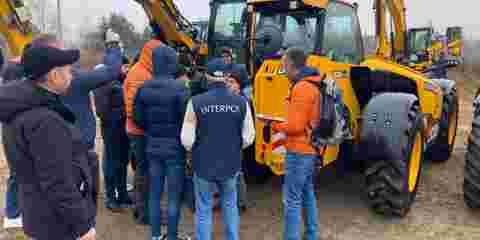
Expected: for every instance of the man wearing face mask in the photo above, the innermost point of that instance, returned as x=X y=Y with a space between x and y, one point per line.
x=55 y=177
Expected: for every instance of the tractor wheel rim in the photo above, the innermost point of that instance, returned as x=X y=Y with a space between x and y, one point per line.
x=452 y=128
x=415 y=158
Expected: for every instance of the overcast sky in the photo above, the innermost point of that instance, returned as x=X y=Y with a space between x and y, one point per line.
x=419 y=12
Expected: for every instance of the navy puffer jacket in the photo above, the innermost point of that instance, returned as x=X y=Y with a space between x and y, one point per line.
x=160 y=106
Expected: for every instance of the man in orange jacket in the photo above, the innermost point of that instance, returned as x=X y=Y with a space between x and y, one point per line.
x=302 y=114
x=142 y=71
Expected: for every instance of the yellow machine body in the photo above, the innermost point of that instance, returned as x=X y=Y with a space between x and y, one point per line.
x=177 y=29
x=15 y=25
x=271 y=87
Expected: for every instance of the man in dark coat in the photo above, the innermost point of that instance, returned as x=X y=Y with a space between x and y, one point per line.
x=55 y=173
x=159 y=109
x=12 y=72
x=78 y=97
x=110 y=109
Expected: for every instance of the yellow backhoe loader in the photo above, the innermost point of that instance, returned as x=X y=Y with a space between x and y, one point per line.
x=455 y=44
x=15 y=25
x=397 y=116
x=425 y=48
x=177 y=30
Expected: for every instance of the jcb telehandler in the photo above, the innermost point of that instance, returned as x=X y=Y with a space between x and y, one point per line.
x=398 y=117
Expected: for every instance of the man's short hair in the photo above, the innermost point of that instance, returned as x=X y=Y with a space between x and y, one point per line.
x=44 y=40
x=228 y=51
x=296 y=56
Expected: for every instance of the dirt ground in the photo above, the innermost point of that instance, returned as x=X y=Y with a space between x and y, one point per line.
x=438 y=213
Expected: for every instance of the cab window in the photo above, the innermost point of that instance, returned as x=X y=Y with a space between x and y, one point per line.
x=342 y=39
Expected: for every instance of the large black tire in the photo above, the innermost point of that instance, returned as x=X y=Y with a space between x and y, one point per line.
x=471 y=182
x=442 y=147
x=391 y=140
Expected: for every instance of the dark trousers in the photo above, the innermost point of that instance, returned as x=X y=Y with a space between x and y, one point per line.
x=115 y=160
x=142 y=189
x=8 y=140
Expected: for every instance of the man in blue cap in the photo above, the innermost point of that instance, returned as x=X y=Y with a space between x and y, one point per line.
x=217 y=126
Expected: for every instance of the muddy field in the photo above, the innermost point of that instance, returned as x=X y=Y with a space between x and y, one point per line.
x=439 y=211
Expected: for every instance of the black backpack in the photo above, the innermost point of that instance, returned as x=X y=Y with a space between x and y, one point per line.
x=333 y=123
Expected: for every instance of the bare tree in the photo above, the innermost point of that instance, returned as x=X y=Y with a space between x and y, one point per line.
x=131 y=39
x=44 y=15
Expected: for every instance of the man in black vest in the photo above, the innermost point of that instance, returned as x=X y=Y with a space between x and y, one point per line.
x=217 y=126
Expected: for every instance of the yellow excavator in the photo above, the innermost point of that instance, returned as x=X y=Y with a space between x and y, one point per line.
x=396 y=115
x=455 y=44
x=15 y=25
x=177 y=30
x=221 y=29
x=225 y=27
x=425 y=48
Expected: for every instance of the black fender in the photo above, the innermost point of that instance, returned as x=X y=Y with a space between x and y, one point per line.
x=385 y=120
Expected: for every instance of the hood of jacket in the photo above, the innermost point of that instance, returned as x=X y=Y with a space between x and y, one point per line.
x=306 y=72
x=145 y=59
x=21 y=96
x=164 y=62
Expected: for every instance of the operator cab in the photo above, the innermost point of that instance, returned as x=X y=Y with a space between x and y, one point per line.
x=332 y=32
x=454 y=33
x=419 y=41
x=227 y=28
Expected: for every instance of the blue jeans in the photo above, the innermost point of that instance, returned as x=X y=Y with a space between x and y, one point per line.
x=298 y=192
x=204 y=203
x=11 y=205
x=174 y=171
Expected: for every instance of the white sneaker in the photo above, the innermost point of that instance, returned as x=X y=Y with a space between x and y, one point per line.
x=12 y=222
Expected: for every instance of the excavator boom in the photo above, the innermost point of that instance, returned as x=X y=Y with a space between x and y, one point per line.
x=397 y=10
x=177 y=29
x=15 y=25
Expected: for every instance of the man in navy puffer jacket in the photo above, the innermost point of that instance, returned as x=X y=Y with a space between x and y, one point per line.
x=159 y=109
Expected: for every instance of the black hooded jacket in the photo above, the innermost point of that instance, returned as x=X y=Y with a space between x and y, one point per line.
x=160 y=106
x=55 y=174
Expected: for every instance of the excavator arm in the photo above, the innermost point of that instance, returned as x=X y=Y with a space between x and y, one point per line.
x=178 y=31
x=397 y=9
x=15 y=25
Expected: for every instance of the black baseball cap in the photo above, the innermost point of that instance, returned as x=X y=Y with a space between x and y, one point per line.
x=217 y=68
x=38 y=61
